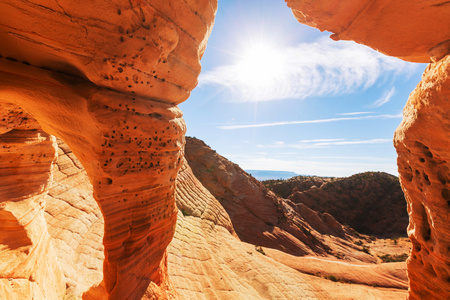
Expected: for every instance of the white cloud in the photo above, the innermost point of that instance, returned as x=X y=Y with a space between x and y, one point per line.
x=325 y=143
x=321 y=68
x=387 y=95
x=356 y=113
x=230 y=127
x=313 y=167
x=352 y=158
x=355 y=142
x=320 y=140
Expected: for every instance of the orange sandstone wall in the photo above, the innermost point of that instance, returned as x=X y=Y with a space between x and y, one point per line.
x=417 y=31
x=150 y=48
x=105 y=77
x=423 y=142
x=27 y=255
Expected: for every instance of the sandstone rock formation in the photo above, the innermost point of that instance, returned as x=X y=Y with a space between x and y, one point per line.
x=75 y=223
x=198 y=266
x=27 y=255
x=423 y=142
x=147 y=48
x=372 y=202
x=415 y=31
x=261 y=218
x=285 y=188
x=207 y=262
x=105 y=78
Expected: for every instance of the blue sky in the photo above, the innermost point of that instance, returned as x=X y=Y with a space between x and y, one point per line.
x=278 y=95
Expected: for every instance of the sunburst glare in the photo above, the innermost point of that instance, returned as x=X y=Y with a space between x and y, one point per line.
x=259 y=65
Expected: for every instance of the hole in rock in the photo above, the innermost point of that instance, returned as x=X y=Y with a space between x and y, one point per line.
x=424 y=149
x=424 y=226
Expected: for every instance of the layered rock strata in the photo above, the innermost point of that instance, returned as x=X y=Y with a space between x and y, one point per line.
x=130 y=148
x=27 y=255
x=261 y=218
x=197 y=263
x=106 y=78
x=423 y=142
x=150 y=48
x=207 y=262
x=416 y=31
x=372 y=203
x=75 y=224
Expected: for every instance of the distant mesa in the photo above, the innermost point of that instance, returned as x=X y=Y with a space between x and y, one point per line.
x=267 y=175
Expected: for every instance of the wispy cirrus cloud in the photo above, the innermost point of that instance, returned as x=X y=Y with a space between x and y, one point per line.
x=385 y=98
x=321 y=140
x=356 y=113
x=310 y=166
x=321 y=68
x=243 y=126
x=325 y=143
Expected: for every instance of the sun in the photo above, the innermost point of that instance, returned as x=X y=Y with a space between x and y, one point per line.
x=259 y=65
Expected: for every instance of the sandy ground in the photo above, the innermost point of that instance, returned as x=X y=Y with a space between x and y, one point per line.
x=340 y=279
x=347 y=291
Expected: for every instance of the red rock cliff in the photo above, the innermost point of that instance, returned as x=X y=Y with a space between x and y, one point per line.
x=105 y=77
x=417 y=31
x=423 y=142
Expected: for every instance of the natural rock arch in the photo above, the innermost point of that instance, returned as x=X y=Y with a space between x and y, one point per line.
x=106 y=78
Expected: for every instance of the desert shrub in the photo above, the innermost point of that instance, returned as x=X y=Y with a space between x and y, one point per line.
x=260 y=250
x=358 y=243
x=365 y=249
x=394 y=258
x=333 y=278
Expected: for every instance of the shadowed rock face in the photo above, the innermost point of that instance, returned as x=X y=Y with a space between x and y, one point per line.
x=27 y=255
x=416 y=31
x=105 y=77
x=261 y=218
x=372 y=202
